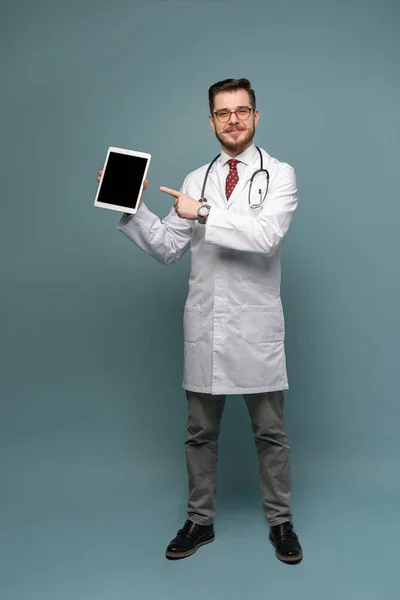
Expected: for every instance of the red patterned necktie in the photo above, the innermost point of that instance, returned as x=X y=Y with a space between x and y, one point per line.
x=232 y=177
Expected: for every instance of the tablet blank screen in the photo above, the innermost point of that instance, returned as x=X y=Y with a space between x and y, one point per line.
x=121 y=180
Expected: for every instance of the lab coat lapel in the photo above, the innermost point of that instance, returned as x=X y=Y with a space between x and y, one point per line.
x=217 y=185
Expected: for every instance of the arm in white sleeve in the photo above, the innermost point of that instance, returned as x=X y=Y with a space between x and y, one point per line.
x=265 y=231
x=166 y=240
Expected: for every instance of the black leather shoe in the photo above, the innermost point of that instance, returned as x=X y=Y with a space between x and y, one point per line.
x=188 y=539
x=286 y=542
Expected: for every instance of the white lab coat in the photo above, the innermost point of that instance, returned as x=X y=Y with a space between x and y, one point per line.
x=233 y=321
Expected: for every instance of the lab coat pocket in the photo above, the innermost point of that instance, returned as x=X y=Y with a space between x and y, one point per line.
x=193 y=313
x=262 y=324
x=192 y=323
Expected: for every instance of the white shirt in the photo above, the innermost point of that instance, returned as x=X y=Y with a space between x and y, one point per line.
x=245 y=158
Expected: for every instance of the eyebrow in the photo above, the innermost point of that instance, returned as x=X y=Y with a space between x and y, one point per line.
x=237 y=108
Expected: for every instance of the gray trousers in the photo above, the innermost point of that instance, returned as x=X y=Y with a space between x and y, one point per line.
x=204 y=420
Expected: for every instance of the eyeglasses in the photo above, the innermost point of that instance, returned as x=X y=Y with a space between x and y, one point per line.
x=241 y=113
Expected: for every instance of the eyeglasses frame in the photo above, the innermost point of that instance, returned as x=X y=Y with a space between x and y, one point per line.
x=234 y=111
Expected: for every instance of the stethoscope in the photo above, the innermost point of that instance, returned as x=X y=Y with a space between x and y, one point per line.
x=260 y=170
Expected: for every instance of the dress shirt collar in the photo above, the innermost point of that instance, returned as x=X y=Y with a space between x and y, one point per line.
x=247 y=157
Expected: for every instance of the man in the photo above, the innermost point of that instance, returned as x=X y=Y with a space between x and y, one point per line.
x=233 y=319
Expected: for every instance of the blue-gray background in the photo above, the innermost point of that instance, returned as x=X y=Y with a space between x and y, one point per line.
x=93 y=482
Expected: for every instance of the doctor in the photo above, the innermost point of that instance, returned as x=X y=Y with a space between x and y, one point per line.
x=233 y=320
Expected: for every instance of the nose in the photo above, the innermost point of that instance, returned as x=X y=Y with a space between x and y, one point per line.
x=233 y=118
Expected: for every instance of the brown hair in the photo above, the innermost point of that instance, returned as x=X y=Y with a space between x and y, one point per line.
x=230 y=85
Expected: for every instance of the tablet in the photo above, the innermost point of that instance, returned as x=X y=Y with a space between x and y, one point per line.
x=121 y=183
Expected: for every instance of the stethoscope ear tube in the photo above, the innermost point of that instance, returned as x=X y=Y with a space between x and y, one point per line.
x=203 y=189
x=262 y=198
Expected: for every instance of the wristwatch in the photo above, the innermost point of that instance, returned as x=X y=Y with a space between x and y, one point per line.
x=203 y=213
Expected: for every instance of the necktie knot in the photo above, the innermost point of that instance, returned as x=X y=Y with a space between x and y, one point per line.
x=232 y=163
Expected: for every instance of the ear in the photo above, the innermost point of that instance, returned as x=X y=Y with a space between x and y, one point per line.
x=256 y=117
x=211 y=119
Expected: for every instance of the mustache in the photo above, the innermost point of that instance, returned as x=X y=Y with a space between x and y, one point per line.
x=235 y=129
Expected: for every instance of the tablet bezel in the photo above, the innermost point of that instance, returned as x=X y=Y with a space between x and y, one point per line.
x=124 y=209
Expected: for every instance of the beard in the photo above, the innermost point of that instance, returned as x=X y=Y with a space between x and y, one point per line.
x=240 y=145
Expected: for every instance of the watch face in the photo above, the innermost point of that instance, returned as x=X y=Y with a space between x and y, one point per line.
x=203 y=211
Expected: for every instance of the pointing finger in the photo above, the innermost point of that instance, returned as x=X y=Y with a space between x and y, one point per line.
x=173 y=193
